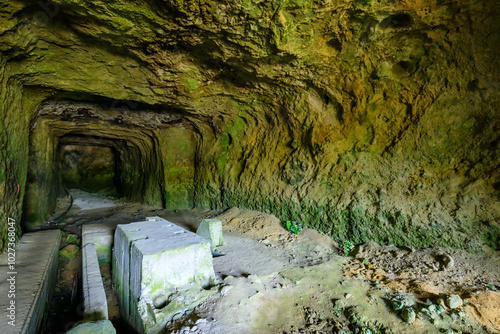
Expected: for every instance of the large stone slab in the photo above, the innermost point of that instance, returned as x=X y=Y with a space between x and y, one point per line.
x=153 y=260
x=94 y=296
x=34 y=275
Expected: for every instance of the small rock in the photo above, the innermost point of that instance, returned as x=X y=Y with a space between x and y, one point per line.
x=347 y=296
x=447 y=261
x=397 y=305
x=225 y=289
x=200 y=321
x=255 y=279
x=408 y=315
x=403 y=300
x=454 y=301
x=431 y=311
x=194 y=328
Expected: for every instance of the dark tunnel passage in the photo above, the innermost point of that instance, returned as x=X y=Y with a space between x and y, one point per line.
x=88 y=167
x=142 y=156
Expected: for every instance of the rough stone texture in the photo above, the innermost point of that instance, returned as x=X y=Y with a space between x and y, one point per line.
x=370 y=119
x=156 y=258
x=211 y=229
x=69 y=252
x=36 y=271
x=101 y=236
x=94 y=296
x=408 y=315
x=98 y=327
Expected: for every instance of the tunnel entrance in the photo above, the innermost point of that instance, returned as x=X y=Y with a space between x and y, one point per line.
x=88 y=167
x=145 y=155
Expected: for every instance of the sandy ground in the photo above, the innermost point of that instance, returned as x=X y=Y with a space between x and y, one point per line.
x=273 y=281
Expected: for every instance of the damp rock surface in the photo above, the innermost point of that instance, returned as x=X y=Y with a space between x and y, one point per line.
x=366 y=120
x=153 y=260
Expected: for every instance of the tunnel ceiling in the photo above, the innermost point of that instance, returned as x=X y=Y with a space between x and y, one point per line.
x=368 y=120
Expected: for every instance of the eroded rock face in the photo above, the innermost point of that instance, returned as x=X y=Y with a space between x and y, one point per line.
x=364 y=119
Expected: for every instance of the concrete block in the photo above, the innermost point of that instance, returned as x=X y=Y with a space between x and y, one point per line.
x=94 y=296
x=98 y=327
x=34 y=274
x=153 y=259
x=211 y=229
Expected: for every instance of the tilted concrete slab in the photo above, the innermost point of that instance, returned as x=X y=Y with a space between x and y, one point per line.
x=94 y=296
x=211 y=229
x=153 y=259
x=35 y=273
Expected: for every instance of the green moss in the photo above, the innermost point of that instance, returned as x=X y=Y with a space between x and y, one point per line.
x=103 y=253
x=491 y=237
x=236 y=126
x=178 y=197
x=66 y=255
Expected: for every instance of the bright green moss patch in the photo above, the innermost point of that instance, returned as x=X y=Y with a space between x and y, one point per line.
x=190 y=83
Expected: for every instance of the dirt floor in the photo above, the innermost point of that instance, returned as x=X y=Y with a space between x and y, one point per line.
x=274 y=281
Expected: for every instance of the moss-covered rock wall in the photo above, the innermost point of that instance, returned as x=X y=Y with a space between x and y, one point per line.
x=13 y=156
x=366 y=120
x=88 y=167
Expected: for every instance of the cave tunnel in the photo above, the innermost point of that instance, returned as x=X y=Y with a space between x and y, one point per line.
x=349 y=149
x=101 y=149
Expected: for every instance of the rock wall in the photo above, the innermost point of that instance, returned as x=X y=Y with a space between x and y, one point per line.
x=363 y=119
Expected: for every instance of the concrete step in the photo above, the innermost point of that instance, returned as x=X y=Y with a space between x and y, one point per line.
x=26 y=286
